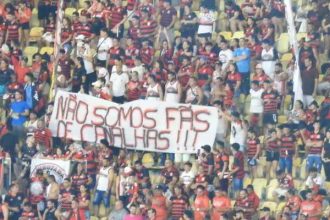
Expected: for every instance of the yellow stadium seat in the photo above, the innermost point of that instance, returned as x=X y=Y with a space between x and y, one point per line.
x=177 y=33
x=282 y=119
x=303 y=174
x=232 y=203
x=238 y=35
x=319 y=99
x=262 y=139
x=48 y=50
x=287 y=57
x=280 y=208
x=226 y=34
x=271 y=205
x=260 y=186
x=301 y=35
x=282 y=44
x=246 y=181
x=69 y=11
x=147 y=160
x=197 y=13
x=36 y=33
x=29 y=52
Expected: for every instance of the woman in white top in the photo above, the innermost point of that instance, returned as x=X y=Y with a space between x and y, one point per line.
x=154 y=90
x=103 y=46
x=173 y=89
x=194 y=93
x=206 y=19
x=269 y=57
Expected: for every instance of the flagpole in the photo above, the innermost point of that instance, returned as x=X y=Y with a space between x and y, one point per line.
x=57 y=43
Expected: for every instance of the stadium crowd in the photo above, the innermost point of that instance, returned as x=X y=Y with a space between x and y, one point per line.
x=271 y=156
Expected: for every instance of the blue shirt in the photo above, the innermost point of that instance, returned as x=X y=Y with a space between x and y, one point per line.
x=19 y=107
x=243 y=65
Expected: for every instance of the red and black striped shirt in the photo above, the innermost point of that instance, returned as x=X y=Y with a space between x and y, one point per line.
x=316 y=138
x=146 y=55
x=78 y=180
x=84 y=29
x=147 y=28
x=12 y=31
x=179 y=205
x=287 y=146
x=252 y=147
x=114 y=53
x=273 y=145
x=270 y=99
x=117 y=15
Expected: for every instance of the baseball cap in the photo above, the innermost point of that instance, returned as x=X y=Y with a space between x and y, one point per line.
x=207 y=148
x=265 y=209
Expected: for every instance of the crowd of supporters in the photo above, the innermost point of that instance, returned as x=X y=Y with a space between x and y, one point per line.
x=271 y=156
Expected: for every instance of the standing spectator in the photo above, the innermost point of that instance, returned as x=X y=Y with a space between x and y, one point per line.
x=225 y=54
x=103 y=46
x=271 y=99
x=5 y=73
x=12 y=26
x=310 y=80
x=242 y=57
x=167 y=19
x=237 y=169
x=173 y=90
x=24 y=15
x=148 y=26
x=201 y=204
x=169 y=175
x=49 y=213
x=256 y=104
x=206 y=19
x=268 y=57
x=30 y=88
x=188 y=22
x=118 y=82
x=287 y=149
x=159 y=203
x=221 y=164
x=272 y=153
x=154 y=90
x=14 y=199
x=253 y=152
x=179 y=203
x=19 y=111
x=220 y=204
x=314 y=146
x=104 y=182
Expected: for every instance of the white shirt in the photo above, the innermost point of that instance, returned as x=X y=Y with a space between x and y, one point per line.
x=256 y=104
x=206 y=18
x=317 y=180
x=237 y=134
x=140 y=70
x=103 y=179
x=225 y=56
x=268 y=62
x=118 y=82
x=172 y=92
x=222 y=125
x=103 y=47
x=88 y=52
x=187 y=177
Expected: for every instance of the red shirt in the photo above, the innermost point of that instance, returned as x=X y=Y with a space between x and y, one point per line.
x=147 y=55
x=233 y=78
x=169 y=174
x=239 y=163
x=188 y=70
x=245 y=203
x=204 y=73
x=43 y=136
x=286 y=182
x=147 y=28
x=117 y=15
x=253 y=197
x=287 y=148
x=310 y=208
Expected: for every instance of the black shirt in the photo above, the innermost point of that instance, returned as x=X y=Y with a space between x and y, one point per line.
x=8 y=142
x=14 y=202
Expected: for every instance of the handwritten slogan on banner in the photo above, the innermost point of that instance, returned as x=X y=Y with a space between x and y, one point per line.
x=141 y=125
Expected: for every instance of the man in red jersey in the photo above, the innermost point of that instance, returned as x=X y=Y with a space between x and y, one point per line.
x=310 y=208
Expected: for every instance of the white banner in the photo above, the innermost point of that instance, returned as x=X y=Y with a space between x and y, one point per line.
x=59 y=168
x=297 y=83
x=141 y=125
